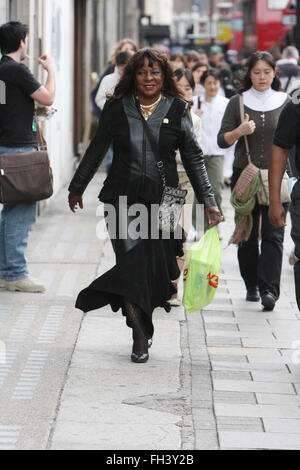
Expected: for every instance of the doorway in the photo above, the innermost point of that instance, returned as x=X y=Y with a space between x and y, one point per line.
x=79 y=76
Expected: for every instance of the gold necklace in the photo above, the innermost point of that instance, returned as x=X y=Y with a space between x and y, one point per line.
x=148 y=110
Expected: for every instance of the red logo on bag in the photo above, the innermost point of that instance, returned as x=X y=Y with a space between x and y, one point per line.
x=213 y=280
x=185 y=273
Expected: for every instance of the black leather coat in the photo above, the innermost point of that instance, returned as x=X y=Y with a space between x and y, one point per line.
x=134 y=173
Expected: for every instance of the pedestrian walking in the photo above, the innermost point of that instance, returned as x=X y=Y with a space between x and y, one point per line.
x=288 y=69
x=212 y=109
x=107 y=88
x=191 y=59
x=286 y=137
x=18 y=134
x=187 y=85
x=198 y=70
x=125 y=45
x=203 y=56
x=216 y=57
x=147 y=95
x=110 y=82
x=263 y=102
x=177 y=61
x=227 y=83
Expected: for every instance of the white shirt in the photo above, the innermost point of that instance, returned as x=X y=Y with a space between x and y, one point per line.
x=211 y=119
x=195 y=98
x=294 y=82
x=287 y=60
x=264 y=101
x=107 y=87
x=197 y=129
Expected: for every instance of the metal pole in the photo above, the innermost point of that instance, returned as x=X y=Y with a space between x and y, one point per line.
x=297 y=28
x=211 y=5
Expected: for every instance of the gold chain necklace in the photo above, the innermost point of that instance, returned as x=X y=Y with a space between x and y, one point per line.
x=148 y=110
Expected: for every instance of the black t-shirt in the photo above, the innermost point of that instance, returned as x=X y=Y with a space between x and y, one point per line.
x=287 y=134
x=16 y=116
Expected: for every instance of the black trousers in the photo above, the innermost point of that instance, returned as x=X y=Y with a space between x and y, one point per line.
x=295 y=215
x=261 y=264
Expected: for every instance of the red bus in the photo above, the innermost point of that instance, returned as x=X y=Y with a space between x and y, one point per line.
x=263 y=26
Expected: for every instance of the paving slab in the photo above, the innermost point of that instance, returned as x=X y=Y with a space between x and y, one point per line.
x=253 y=386
x=290 y=426
x=248 y=366
x=242 y=398
x=229 y=423
x=279 y=377
x=277 y=399
x=259 y=411
x=260 y=440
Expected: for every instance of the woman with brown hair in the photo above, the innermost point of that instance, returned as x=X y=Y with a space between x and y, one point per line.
x=125 y=45
x=147 y=95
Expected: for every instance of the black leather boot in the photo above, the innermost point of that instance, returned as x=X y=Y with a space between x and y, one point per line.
x=253 y=294
x=268 y=301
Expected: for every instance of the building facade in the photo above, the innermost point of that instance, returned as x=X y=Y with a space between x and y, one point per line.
x=80 y=36
x=161 y=11
x=205 y=19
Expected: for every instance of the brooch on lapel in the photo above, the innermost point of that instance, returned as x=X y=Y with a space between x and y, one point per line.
x=166 y=121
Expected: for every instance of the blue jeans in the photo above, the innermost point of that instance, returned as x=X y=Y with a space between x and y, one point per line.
x=15 y=222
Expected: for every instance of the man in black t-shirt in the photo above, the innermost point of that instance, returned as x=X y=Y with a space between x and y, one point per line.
x=286 y=137
x=18 y=134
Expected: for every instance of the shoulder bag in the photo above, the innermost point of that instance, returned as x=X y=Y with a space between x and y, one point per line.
x=26 y=177
x=263 y=192
x=173 y=199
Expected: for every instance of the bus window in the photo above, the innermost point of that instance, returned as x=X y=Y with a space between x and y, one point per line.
x=277 y=4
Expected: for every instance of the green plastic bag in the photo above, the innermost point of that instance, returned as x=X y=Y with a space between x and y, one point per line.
x=201 y=273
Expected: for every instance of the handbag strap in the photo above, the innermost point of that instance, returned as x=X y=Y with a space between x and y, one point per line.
x=154 y=146
x=288 y=83
x=242 y=113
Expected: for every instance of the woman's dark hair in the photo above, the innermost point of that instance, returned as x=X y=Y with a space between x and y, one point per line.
x=192 y=56
x=179 y=73
x=211 y=73
x=122 y=58
x=127 y=84
x=198 y=65
x=11 y=34
x=176 y=55
x=252 y=61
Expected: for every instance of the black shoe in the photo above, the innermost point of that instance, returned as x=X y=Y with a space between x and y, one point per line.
x=139 y=359
x=253 y=294
x=268 y=301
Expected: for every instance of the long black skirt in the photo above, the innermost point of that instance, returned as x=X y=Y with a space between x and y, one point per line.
x=144 y=271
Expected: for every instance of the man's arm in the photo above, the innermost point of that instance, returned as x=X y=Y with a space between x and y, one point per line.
x=45 y=95
x=277 y=168
x=106 y=88
x=101 y=95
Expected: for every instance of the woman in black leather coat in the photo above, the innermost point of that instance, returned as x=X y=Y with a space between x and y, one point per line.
x=145 y=266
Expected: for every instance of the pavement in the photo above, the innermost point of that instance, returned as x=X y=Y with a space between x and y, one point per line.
x=224 y=378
